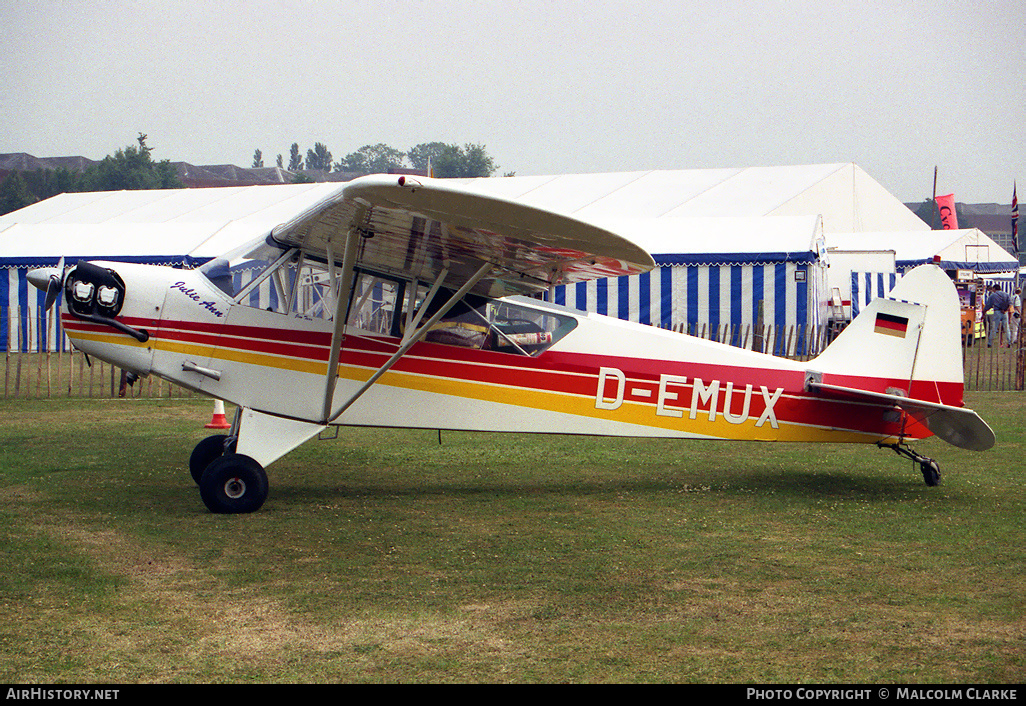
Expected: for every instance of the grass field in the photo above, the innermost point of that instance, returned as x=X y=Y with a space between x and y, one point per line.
x=386 y=556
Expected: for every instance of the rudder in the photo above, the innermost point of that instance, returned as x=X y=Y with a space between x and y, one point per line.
x=910 y=336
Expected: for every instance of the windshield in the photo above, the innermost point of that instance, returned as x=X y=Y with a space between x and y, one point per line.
x=265 y=275
x=232 y=272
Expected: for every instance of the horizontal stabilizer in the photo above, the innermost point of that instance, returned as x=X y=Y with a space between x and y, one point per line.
x=958 y=426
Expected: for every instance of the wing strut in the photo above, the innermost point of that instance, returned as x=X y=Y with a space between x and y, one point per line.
x=341 y=302
x=409 y=341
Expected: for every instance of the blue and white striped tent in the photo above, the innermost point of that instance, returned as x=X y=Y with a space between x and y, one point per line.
x=867 y=286
x=714 y=274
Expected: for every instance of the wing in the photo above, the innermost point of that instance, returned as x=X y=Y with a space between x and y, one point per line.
x=419 y=227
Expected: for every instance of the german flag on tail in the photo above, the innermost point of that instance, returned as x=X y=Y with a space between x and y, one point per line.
x=891 y=325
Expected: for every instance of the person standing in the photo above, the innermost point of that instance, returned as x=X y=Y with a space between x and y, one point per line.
x=998 y=304
x=1016 y=316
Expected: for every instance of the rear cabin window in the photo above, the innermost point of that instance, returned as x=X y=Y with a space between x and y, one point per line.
x=391 y=307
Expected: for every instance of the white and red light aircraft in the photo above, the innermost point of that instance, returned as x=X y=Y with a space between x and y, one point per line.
x=393 y=303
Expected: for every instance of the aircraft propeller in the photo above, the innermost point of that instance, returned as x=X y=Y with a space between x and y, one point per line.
x=49 y=279
x=53 y=287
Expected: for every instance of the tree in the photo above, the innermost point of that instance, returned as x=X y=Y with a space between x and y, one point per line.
x=258 y=159
x=45 y=183
x=295 y=161
x=131 y=168
x=427 y=153
x=477 y=162
x=319 y=158
x=452 y=161
x=15 y=194
x=372 y=159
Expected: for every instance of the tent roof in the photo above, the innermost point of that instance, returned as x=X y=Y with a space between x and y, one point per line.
x=190 y=225
x=845 y=196
x=159 y=226
x=968 y=248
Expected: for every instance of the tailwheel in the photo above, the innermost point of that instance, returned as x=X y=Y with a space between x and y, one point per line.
x=931 y=471
x=929 y=467
x=233 y=483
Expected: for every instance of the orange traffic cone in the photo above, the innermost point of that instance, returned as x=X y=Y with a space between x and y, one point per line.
x=218 y=421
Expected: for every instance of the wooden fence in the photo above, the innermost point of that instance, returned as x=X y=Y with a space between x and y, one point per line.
x=993 y=369
x=63 y=371
x=66 y=372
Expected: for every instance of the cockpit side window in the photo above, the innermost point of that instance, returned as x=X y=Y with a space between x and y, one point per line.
x=497 y=325
x=389 y=306
x=288 y=281
x=376 y=304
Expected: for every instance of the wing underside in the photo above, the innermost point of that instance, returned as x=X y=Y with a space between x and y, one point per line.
x=421 y=227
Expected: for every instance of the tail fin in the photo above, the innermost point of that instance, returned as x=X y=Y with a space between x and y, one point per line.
x=906 y=349
x=912 y=335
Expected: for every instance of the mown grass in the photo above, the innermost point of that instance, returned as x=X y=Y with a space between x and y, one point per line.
x=386 y=556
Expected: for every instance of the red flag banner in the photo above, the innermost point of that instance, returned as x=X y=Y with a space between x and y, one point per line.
x=1015 y=220
x=946 y=206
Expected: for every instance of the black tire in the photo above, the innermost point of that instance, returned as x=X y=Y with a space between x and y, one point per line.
x=205 y=452
x=931 y=472
x=233 y=483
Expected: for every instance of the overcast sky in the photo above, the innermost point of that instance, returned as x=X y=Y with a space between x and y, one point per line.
x=549 y=87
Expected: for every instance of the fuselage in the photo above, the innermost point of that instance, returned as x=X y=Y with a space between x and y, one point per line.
x=599 y=375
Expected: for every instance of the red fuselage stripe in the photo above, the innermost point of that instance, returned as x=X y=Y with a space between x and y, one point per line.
x=558 y=372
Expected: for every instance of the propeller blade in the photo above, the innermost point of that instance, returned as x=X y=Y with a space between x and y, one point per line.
x=52 y=290
x=53 y=286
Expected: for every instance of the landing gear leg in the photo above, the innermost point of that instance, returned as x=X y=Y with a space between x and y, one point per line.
x=929 y=467
x=229 y=469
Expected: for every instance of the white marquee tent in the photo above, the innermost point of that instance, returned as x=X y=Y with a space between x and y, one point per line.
x=727 y=239
x=847 y=198
x=179 y=227
x=175 y=227
x=724 y=239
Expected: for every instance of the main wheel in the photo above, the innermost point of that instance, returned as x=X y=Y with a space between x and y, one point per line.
x=233 y=483
x=205 y=452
